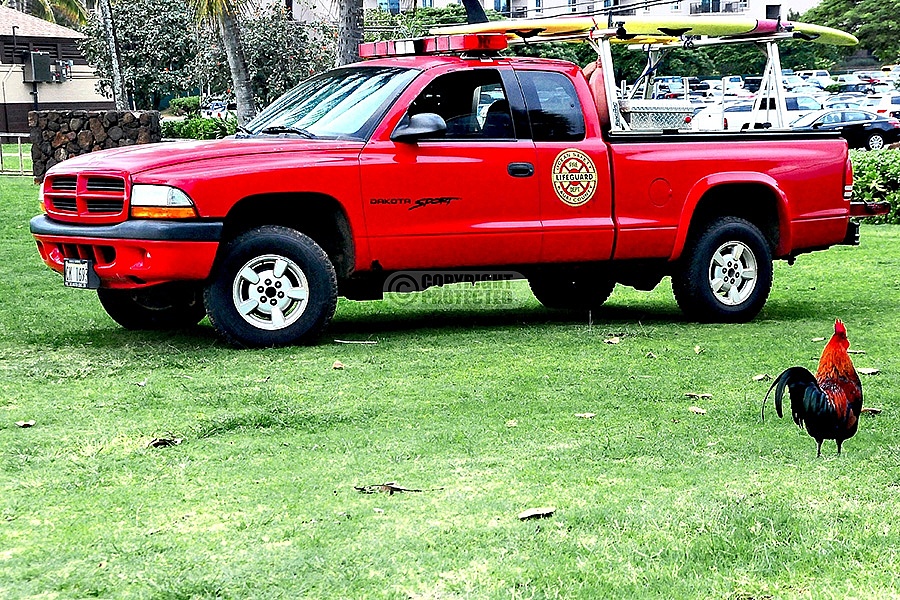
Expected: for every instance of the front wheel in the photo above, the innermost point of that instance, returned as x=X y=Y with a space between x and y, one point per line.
x=159 y=307
x=725 y=274
x=875 y=142
x=275 y=286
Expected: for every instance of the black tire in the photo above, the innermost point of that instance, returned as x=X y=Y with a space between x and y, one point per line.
x=585 y=290
x=875 y=142
x=159 y=307
x=292 y=299
x=731 y=288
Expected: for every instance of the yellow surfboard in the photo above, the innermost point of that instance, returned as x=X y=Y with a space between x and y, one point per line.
x=626 y=28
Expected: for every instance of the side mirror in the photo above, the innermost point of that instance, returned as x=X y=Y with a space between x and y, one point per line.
x=816 y=125
x=412 y=128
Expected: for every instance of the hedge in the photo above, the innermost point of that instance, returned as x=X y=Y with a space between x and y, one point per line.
x=876 y=177
x=197 y=128
x=187 y=106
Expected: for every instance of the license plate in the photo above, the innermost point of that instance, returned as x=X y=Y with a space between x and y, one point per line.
x=79 y=273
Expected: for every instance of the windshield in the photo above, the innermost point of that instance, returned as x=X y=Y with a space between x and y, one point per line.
x=807 y=120
x=343 y=103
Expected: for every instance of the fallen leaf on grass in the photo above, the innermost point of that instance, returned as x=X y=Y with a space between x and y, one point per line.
x=537 y=513
x=869 y=410
x=818 y=339
x=697 y=349
x=868 y=371
x=512 y=423
x=337 y=365
x=696 y=410
x=142 y=383
x=612 y=340
x=585 y=415
x=699 y=396
x=762 y=377
x=164 y=442
x=25 y=424
x=650 y=355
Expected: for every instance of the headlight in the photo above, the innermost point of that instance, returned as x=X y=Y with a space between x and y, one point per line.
x=160 y=202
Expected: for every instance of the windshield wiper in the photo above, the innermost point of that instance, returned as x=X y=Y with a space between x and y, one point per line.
x=276 y=129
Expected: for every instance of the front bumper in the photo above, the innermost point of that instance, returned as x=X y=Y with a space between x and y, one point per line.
x=134 y=253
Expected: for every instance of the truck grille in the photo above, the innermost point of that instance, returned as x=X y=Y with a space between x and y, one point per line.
x=99 y=197
x=65 y=184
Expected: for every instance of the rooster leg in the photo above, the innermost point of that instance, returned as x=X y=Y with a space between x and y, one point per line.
x=818 y=447
x=839 y=442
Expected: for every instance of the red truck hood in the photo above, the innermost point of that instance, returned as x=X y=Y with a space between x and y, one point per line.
x=138 y=159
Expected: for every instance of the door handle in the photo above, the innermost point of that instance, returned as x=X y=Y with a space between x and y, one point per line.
x=520 y=169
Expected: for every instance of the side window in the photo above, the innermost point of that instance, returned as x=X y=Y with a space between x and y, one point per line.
x=807 y=103
x=855 y=116
x=553 y=106
x=472 y=103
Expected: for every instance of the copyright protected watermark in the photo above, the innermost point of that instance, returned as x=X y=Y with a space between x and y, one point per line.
x=456 y=288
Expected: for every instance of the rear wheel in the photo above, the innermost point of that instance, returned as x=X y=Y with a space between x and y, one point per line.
x=275 y=286
x=725 y=274
x=159 y=307
x=875 y=142
x=586 y=290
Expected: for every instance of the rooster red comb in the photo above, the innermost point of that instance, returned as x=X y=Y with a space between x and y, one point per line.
x=839 y=327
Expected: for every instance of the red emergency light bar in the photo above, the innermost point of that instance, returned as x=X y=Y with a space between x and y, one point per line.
x=436 y=44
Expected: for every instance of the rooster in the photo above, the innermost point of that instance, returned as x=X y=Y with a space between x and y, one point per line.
x=828 y=405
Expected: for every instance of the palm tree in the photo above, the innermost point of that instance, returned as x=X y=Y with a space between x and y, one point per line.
x=72 y=12
x=105 y=13
x=350 y=31
x=225 y=13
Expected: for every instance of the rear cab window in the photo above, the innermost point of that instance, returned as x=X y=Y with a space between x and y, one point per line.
x=553 y=106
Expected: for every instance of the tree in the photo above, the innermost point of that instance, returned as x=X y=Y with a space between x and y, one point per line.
x=280 y=53
x=115 y=58
x=157 y=45
x=225 y=14
x=67 y=12
x=874 y=22
x=350 y=32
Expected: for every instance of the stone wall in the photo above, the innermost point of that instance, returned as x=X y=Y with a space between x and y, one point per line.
x=58 y=135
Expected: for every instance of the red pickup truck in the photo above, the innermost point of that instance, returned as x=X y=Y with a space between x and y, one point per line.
x=435 y=161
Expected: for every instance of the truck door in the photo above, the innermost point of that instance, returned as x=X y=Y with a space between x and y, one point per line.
x=572 y=170
x=467 y=197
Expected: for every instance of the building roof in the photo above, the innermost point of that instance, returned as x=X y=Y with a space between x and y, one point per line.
x=28 y=26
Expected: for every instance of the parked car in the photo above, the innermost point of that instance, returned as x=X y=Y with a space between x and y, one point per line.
x=217 y=109
x=840 y=104
x=792 y=81
x=861 y=129
x=810 y=90
x=849 y=78
x=888 y=104
x=862 y=88
x=738 y=116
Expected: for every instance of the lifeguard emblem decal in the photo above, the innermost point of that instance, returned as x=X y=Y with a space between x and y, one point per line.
x=574 y=177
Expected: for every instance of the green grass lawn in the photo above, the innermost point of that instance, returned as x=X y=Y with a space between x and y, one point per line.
x=10 y=162
x=477 y=406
